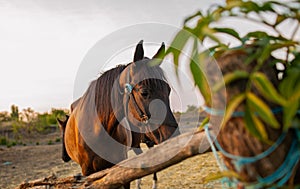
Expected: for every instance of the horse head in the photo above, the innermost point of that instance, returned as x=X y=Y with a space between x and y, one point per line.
x=62 y=125
x=146 y=96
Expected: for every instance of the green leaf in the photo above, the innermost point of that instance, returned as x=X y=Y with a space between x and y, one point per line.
x=282 y=44
x=192 y=17
x=230 y=77
x=289 y=112
x=203 y=123
x=218 y=50
x=265 y=53
x=287 y=85
x=252 y=57
x=262 y=110
x=178 y=44
x=250 y=124
x=199 y=76
x=204 y=31
x=232 y=105
x=279 y=19
x=260 y=128
x=296 y=95
x=219 y=175
x=256 y=34
x=266 y=88
x=267 y=6
x=249 y=6
x=290 y=84
x=228 y=31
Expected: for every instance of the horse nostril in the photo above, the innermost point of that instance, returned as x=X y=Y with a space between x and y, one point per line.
x=145 y=119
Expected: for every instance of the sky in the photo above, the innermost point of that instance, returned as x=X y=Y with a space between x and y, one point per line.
x=44 y=42
x=44 y=45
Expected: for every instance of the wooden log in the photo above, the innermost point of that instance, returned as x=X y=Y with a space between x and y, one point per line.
x=53 y=181
x=173 y=150
x=183 y=146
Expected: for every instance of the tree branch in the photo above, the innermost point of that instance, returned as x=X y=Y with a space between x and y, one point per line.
x=173 y=151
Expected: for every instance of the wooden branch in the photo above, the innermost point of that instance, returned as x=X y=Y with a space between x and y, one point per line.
x=53 y=181
x=173 y=151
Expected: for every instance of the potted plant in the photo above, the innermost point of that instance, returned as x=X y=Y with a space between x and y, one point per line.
x=258 y=97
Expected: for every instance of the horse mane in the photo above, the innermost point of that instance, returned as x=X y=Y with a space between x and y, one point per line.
x=104 y=94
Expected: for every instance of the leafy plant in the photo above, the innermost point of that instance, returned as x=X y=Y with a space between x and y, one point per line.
x=3 y=140
x=261 y=48
x=14 y=112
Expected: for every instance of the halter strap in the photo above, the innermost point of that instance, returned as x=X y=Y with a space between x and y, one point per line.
x=128 y=88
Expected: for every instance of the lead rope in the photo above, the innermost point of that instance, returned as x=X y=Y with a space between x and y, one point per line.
x=278 y=177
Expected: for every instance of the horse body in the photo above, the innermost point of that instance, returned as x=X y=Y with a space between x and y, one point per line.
x=106 y=122
x=80 y=151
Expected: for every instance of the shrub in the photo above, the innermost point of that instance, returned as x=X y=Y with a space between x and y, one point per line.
x=3 y=141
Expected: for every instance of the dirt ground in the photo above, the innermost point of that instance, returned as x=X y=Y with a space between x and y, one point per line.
x=32 y=162
x=21 y=163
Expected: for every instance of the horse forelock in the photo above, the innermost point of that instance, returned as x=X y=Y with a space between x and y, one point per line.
x=148 y=74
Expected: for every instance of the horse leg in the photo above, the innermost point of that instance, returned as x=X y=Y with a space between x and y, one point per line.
x=150 y=144
x=126 y=186
x=154 y=183
x=138 y=151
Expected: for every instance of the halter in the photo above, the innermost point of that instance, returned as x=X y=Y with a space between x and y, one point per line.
x=128 y=88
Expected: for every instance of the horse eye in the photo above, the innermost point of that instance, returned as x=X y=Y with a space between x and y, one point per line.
x=144 y=93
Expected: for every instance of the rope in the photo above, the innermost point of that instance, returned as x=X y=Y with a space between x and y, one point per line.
x=214 y=150
x=217 y=112
x=220 y=162
x=240 y=161
x=280 y=176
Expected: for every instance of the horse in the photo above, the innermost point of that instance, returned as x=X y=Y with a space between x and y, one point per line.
x=117 y=112
x=137 y=149
x=62 y=125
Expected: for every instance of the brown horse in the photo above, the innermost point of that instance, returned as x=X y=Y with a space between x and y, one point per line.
x=119 y=109
x=62 y=125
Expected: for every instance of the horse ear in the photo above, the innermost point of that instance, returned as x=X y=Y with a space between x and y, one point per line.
x=160 y=53
x=60 y=122
x=139 y=52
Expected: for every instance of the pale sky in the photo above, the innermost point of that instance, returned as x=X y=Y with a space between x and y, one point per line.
x=43 y=43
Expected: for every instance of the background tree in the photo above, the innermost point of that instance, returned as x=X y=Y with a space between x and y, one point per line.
x=5 y=116
x=191 y=108
x=14 y=112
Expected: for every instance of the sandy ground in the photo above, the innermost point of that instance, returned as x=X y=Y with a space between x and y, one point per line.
x=31 y=162
x=21 y=163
